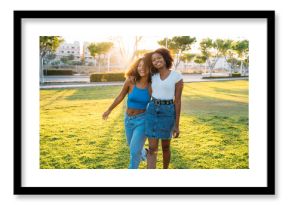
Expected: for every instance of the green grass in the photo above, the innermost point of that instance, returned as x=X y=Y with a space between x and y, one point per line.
x=213 y=125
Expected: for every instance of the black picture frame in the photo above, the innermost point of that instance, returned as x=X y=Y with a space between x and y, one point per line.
x=19 y=189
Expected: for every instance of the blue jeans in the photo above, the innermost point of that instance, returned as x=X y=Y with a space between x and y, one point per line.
x=135 y=133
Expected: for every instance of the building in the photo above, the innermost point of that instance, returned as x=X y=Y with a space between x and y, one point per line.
x=69 y=49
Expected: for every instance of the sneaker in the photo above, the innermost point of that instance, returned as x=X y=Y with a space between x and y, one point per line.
x=144 y=154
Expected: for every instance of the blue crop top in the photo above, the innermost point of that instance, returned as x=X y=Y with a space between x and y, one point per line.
x=138 y=98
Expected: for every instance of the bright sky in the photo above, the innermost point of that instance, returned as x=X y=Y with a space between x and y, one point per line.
x=147 y=42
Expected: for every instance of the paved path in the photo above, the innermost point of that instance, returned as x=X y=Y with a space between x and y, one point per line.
x=84 y=81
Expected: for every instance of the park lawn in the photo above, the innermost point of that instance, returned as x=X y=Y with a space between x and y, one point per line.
x=213 y=125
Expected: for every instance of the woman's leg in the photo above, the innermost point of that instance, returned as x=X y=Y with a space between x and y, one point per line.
x=129 y=134
x=166 y=153
x=136 y=146
x=152 y=154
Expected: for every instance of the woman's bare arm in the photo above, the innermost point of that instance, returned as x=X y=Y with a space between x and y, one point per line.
x=118 y=99
x=177 y=104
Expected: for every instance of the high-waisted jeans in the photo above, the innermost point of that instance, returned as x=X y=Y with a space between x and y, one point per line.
x=135 y=133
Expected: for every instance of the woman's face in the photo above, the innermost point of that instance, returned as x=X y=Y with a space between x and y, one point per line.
x=142 y=70
x=158 y=61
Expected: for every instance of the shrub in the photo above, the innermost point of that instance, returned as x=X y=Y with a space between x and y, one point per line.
x=57 y=72
x=236 y=75
x=106 y=77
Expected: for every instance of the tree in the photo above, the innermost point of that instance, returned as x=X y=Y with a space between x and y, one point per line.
x=47 y=45
x=97 y=49
x=94 y=51
x=51 y=56
x=237 y=55
x=178 y=45
x=64 y=59
x=242 y=49
x=105 y=48
x=205 y=47
x=71 y=57
x=233 y=61
x=213 y=50
x=225 y=47
x=135 y=49
x=199 y=59
x=187 y=57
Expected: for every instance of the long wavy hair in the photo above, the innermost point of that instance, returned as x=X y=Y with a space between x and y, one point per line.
x=147 y=59
x=133 y=70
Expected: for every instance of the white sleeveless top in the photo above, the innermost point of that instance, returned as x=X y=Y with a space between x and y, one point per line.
x=165 y=89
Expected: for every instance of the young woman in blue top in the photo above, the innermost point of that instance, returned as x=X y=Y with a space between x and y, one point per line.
x=163 y=111
x=137 y=87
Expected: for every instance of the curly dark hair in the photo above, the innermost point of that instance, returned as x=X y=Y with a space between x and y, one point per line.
x=133 y=70
x=166 y=54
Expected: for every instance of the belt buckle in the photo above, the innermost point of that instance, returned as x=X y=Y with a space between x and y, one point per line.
x=157 y=102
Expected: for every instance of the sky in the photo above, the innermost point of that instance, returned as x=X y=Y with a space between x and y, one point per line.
x=147 y=42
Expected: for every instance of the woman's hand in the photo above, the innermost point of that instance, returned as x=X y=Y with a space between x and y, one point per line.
x=176 y=132
x=106 y=114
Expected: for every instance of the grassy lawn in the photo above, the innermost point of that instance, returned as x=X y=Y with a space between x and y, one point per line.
x=214 y=128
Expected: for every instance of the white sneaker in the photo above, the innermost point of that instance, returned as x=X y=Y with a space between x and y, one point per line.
x=144 y=154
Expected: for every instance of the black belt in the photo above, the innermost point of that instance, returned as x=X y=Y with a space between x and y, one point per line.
x=161 y=102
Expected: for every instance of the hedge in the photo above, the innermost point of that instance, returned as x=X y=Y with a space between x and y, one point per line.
x=107 y=77
x=236 y=75
x=58 y=72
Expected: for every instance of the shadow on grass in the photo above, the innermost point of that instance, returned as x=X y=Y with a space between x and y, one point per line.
x=110 y=151
x=231 y=91
x=60 y=94
x=224 y=124
x=212 y=105
x=226 y=145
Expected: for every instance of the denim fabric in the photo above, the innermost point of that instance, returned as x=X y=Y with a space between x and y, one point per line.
x=135 y=133
x=159 y=120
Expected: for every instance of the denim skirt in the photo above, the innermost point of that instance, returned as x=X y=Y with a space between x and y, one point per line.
x=159 y=120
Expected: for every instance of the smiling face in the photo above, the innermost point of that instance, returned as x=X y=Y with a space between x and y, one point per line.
x=142 y=70
x=158 y=61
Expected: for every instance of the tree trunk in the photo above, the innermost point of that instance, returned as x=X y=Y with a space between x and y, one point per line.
x=99 y=63
x=227 y=64
x=185 y=66
x=209 y=66
x=108 y=62
x=41 y=69
x=241 y=68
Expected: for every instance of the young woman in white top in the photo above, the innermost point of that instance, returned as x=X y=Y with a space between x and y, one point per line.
x=163 y=110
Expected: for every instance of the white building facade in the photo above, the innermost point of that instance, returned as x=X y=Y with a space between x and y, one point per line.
x=68 y=49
